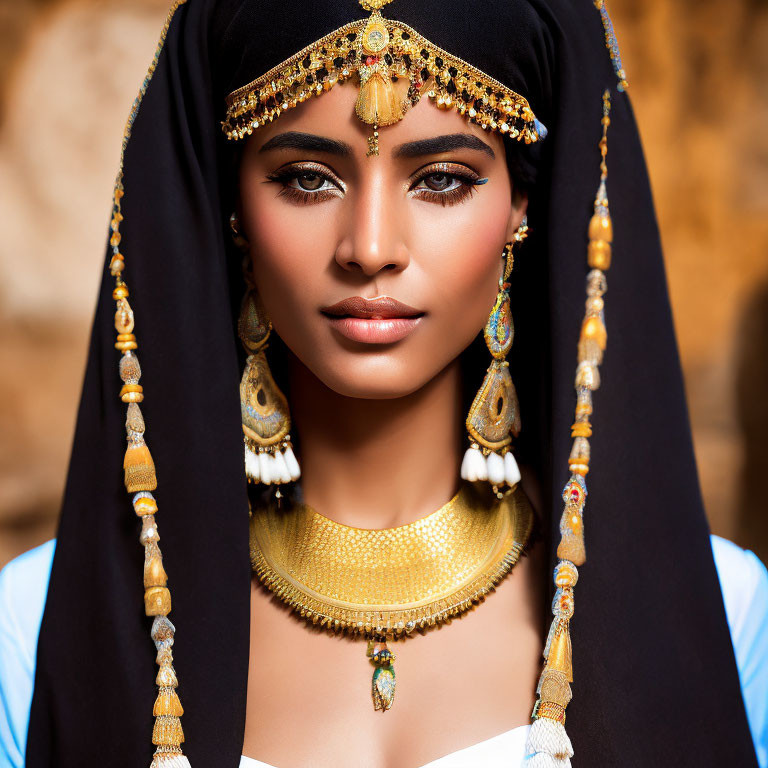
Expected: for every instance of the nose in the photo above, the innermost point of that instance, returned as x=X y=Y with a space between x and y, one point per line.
x=374 y=239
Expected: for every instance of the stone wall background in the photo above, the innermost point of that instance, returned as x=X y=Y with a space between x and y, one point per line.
x=69 y=70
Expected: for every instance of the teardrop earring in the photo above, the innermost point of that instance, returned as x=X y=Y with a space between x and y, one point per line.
x=494 y=417
x=269 y=456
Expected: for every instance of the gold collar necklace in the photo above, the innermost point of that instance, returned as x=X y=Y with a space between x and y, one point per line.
x=382 y=584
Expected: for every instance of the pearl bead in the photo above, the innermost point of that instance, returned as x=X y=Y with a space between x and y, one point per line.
x=252 y=465
x=511 y=470
x=465 y=465
x=292 y=463
x=281 y=468
x=496 y=470
x=265 y=468
x=482 y=467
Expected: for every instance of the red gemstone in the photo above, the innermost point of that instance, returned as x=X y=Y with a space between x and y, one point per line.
x=371 y=60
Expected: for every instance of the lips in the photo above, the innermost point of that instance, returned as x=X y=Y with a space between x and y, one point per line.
x=382 y=320
x=382 y=307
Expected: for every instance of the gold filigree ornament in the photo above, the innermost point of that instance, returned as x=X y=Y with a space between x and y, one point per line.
x=494 y=416
x=388 y=584
x=395 y=66
x=266 y=421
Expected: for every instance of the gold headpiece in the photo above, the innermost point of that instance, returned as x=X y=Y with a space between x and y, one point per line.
x=381 y=52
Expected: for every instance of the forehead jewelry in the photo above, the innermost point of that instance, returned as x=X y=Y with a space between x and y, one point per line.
x=394 y=66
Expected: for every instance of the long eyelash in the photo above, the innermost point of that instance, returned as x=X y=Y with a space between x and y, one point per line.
x=451 y=197
x=303 y=197
x=300 y=196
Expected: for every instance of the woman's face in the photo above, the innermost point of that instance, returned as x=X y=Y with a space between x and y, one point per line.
x=423 y=223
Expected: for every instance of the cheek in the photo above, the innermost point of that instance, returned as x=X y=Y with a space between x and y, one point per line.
x=465 y=262
x=289 y=247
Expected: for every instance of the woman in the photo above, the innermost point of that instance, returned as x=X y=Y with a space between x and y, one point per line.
x=372 y=226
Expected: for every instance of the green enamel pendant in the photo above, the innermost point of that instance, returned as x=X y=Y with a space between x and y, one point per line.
x=383 y=683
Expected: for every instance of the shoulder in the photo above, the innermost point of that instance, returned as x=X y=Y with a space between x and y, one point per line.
x=23 y=588
x=24 y=585
x=744 y=584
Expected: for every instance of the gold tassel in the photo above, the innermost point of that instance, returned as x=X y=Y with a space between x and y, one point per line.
x=377 y=102
x=168 y=703
x=167 y=732
x=560 y=658
x=139 y=469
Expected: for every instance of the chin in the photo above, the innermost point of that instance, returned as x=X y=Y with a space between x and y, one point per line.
x=372 y=382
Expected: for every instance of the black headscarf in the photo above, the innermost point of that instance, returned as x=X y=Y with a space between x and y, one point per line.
x=655 y=675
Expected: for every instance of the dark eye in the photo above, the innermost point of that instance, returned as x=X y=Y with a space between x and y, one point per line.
x=438 y=182
x=309 y=180
x=445 y=183
x=304 y=183
x=443 y=180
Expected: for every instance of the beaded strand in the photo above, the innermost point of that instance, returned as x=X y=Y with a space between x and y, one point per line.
x=141 y=477
x=548 y=745
x=612 y=44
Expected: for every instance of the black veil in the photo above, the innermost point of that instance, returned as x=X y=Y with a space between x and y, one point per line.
x=655 y=675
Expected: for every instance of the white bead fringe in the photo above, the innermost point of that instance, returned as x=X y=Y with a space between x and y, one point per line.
x=292 y=463
x=169 y=760
x=548 y=738
x=265 y=467
x=511 y=470
x=494 y=467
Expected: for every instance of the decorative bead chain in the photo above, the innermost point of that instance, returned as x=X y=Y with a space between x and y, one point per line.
x=612 y=44
x=548 y=742
x=141 y=478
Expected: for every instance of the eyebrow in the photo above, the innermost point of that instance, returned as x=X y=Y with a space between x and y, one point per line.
x=437 y=144
x=307 y=141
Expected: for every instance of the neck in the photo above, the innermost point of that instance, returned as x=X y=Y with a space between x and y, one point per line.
x=378 y=463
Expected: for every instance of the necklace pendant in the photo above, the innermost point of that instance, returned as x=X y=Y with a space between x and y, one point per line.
x=383 y=683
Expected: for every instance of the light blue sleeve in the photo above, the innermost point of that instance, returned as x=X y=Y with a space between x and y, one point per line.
x=24 y=584
x=23 y=587
x=744 y=582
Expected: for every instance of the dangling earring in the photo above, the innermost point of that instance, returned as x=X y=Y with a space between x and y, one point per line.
x=237 y=237
x=494 y=418
x=269 y=456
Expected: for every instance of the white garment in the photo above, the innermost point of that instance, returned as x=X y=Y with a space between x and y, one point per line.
x=506 y=750
x=24 y=585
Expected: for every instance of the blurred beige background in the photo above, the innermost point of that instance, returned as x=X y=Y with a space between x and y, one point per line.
x=69 y=70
